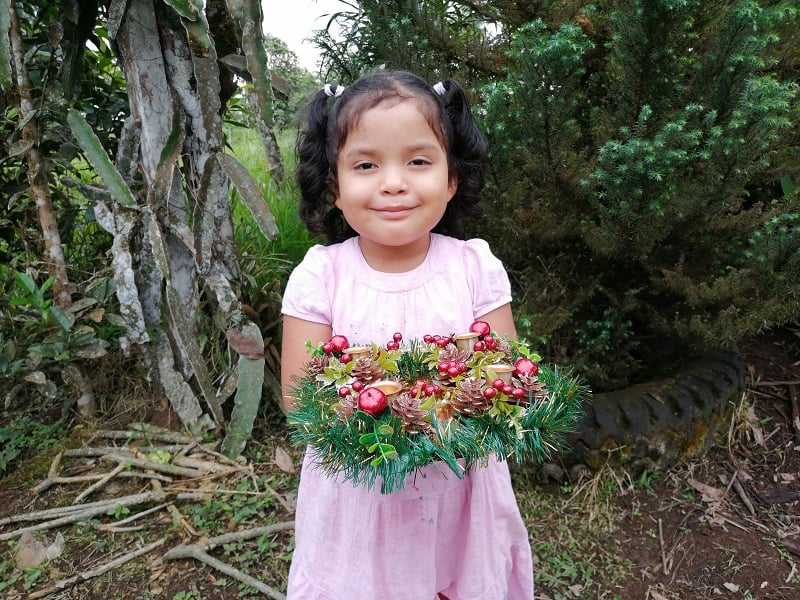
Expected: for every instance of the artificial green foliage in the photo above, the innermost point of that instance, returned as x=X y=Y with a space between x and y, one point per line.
x=379 y=451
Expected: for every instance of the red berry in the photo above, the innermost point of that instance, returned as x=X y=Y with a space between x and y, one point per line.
x=397 y=337
x=344 y=391
x=453 y=371
x=518 y=393
x=489 y=393
x=442 y=367
x=372 y=401
x=461 y=366
x=414 y=391
x=479 y=346
x=525 y=366
x=392 y=345
x=327 y=348
x=431 y=389
x=358 y=386
x=345 y=357
x=427 y=338
x=481 y=328
x=339 y=343
x=498 y=384
x=508 y=390
x=491 y=343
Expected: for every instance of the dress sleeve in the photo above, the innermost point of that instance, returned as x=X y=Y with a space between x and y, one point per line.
x=307 y=294
x=487 y=278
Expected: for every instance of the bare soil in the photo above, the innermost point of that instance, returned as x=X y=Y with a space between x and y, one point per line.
x=723 y=525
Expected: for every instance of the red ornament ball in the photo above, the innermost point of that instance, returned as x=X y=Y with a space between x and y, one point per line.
x=372 y=401
x=339 y=343
x=525 y=366
x=482 y=328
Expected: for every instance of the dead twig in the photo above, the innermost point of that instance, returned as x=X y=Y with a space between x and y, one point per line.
x=71 y=581
x=99 y=483
x=138 y=432
x=664 y=564
x=155 y=466
x=199 y=551
x=795 y=400
x=86 y=513
x=118 y=525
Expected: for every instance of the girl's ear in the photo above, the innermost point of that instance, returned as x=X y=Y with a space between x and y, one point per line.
x=333 y=189
x=452 y=187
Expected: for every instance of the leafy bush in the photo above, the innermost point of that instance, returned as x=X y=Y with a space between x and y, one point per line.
x=638 y=149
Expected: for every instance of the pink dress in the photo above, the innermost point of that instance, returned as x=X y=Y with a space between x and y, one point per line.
x=462 y=537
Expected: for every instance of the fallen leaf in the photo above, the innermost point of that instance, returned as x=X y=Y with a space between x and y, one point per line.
x=708 y=494
x=656 y=596
x=731 y=587
x=55 y=549
x=30 y=552
x=755 y=428
x=284 y=461
x=244 y=345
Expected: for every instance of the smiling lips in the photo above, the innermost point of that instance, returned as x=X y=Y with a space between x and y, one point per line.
x=394 y=212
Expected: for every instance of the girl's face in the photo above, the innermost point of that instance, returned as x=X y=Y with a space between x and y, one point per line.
x=393 y=181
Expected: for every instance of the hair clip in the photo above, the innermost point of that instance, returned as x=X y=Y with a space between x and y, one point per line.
x=439 y=88
x=329 y=91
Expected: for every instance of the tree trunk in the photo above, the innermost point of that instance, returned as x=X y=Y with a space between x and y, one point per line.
x=184 y=252
x=38 y=172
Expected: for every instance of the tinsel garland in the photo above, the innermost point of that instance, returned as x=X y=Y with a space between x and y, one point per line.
x=369 y=446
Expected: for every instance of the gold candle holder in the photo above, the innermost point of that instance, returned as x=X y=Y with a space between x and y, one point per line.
x=390 y=387
x=502 y=371
x=357 y=352
x=465 y=341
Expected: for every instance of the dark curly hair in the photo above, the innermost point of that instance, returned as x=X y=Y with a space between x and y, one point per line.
x=330 y=119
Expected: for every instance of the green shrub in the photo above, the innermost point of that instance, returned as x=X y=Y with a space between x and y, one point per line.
x=634 y=164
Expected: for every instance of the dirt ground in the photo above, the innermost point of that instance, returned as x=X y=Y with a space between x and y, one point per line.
x=724 y=525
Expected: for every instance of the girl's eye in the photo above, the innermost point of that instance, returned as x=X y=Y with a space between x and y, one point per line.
x=419 y=162
x=364 y=166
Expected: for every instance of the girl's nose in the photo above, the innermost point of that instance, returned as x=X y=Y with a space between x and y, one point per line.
x=393 y=181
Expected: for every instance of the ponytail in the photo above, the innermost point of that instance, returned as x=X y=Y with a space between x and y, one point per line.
x=467 y=150
x=315 y=165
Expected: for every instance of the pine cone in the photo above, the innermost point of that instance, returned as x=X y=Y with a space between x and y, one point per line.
x=505 y=347
x=453 y=354
x=367 y=371
x=317 y=364
x=450 y=353
x=407 y=408
x=347 y=406
x=530 y=383
x=469 y=398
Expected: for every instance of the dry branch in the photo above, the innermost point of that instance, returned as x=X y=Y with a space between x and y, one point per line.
x=87 y=513
x=155 y=466
x=100 y=483
x=71 y=581
x=200 y=550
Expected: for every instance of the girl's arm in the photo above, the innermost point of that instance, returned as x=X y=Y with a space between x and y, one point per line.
x=501 y=321
x=294 y=353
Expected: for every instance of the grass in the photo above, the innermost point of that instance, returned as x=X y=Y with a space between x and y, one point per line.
x=567 y=528
x=293 y=239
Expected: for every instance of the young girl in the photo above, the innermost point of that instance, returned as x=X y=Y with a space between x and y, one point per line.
x=390 y=170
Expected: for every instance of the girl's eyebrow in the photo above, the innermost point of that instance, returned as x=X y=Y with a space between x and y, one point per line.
x=368 y=150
